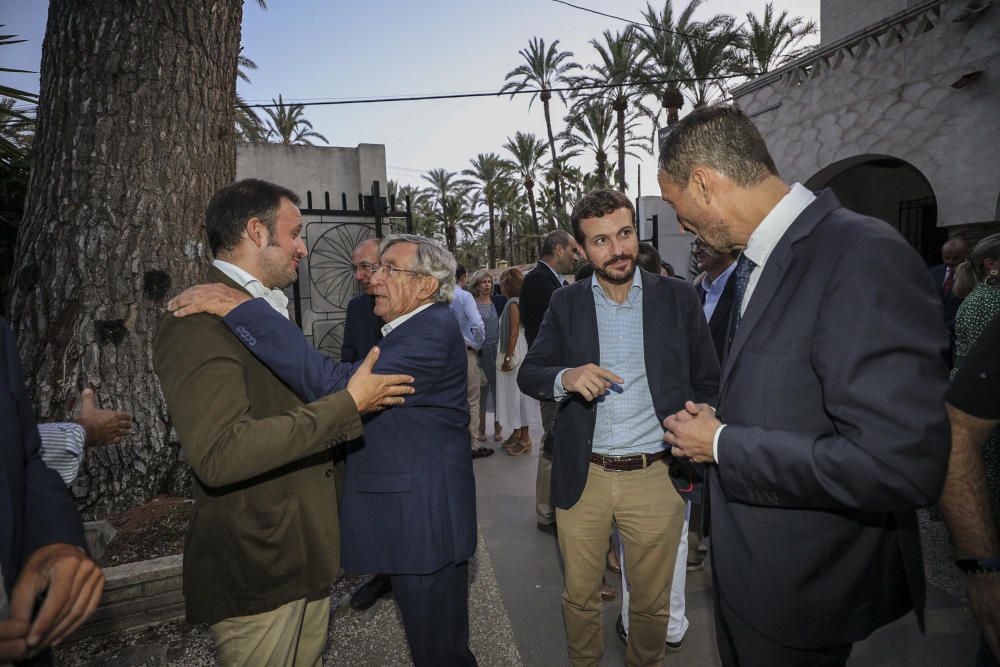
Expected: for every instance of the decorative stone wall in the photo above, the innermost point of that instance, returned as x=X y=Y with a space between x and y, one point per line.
x=887 y=91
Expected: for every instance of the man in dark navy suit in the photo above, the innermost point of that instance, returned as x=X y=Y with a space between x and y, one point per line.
x=362 y=332
x=559 y=252
x=953 y=252
x=362 y=327
x=409 y=503
x=41 y=537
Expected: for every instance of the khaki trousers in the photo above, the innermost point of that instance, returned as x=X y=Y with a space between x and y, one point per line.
x=293 y=634
x=544 y=512
x=472 y=377
x=649 y=513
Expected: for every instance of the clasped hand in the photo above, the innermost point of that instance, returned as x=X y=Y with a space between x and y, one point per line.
x=72 y=586
x=691 y=431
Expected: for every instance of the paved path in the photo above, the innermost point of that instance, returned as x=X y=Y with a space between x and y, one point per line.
x=529 y=576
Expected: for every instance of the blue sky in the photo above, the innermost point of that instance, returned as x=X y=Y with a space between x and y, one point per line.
x=313 y=49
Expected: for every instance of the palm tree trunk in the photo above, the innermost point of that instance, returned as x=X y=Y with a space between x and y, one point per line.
x=112 y=222
x=492 y=244
x=534 y=216
x=620 y=112
x=602 y=169
x=557 y=182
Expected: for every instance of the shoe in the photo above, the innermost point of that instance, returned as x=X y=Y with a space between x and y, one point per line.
x=510 y=442
x=549 y=528
x=480 y=437
x=482 y=452
x=520 y=448
x=695 y=562
x=498 y=436
x=674 y=647
x=369 y=593
x=620 y=630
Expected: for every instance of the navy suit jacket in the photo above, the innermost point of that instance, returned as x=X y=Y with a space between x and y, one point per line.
x=680 y=366
x=949 y=302
x=362 y=328
x=536 y=292
x=35 y=507
x=833 y=398
x=409 y=503
x=719 y=324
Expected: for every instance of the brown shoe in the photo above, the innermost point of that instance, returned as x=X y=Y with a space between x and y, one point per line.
x=520 y=448
x=510 y=442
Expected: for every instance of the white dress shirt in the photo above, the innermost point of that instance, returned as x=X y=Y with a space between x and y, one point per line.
x=275 y=297
x=396 y=323
x=761 y=244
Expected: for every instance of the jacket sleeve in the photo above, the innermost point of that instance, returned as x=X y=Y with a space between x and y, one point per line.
x=281 y=346
x=204 y=382
x=349 y=348
x=877 y=352
x=537 y=374
x=50 y=516
x=701 y=351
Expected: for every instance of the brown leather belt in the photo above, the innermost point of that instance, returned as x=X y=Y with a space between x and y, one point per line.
x=633 y=462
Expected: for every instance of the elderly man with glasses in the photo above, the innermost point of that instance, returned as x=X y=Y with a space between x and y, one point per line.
x=409 y=502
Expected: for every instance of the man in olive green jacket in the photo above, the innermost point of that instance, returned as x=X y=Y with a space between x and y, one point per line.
x=263 y=546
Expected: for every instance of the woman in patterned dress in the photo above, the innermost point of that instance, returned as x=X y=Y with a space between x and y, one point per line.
x=481 y=287
x=978 y=280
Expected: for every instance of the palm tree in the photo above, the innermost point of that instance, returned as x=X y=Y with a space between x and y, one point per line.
x=711 y=49
x=487 y=173
x=544 y=69
x=590 y=127
x=618 y=71
x=287 y=124
x=666 y=61
x=445 y=191
x=528 y=152
x=249 y=128
x=770 y=41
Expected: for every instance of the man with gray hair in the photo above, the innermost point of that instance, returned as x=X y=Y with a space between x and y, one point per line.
x=409 y=502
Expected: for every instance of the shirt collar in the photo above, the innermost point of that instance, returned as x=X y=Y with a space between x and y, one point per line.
x=274 y=297
x=396 y=323
x=719 y=283
x=554 y=272
x=774 y=225
x=633 y=293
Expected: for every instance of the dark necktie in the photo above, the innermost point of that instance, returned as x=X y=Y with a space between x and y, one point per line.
x=949 y=281
x=744 y=267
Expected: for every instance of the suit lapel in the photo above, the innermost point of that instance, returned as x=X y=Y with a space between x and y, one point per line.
x=773 y=273
x=654 y=314
x=583 y=304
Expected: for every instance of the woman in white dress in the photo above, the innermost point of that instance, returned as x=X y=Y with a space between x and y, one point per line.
x=512 y=406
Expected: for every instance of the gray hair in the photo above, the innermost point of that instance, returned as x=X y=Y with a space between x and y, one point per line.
x=432 y=259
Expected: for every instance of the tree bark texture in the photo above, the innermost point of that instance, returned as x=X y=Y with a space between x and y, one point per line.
x=135 y=133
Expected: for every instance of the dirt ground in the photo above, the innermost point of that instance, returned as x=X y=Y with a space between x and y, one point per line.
x=148 y=531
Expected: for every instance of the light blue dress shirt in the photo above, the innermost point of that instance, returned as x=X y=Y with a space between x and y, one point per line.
x=626 y=422
x=713 y=290
x=463 y=305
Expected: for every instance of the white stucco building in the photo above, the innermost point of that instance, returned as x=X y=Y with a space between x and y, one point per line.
x=896 y=111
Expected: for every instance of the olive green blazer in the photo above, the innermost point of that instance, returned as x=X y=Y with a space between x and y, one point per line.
x=264 y=529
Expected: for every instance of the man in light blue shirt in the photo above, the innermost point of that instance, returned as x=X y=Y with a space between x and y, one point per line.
x=470 y=322
x=616 y=351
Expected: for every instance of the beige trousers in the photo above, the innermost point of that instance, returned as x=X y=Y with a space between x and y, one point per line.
x=472 y=377
x=294 y=634
x=649 y=513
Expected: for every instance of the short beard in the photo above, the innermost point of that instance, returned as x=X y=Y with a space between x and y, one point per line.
x=613 y=279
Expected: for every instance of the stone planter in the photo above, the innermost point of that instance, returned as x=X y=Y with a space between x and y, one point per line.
x=138 y=595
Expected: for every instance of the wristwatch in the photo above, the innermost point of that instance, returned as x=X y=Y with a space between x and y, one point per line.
x=978 y=565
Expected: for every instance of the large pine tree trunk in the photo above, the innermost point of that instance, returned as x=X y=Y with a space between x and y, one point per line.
x=135 y=133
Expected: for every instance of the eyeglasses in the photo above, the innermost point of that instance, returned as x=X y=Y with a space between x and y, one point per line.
x=697 y=245
x=363 y=266
x=390 y=270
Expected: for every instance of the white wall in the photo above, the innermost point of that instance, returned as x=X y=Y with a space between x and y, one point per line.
x=673 y=243
x=890 y=94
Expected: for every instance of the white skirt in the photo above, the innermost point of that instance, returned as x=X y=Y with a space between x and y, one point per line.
x=513 y=407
